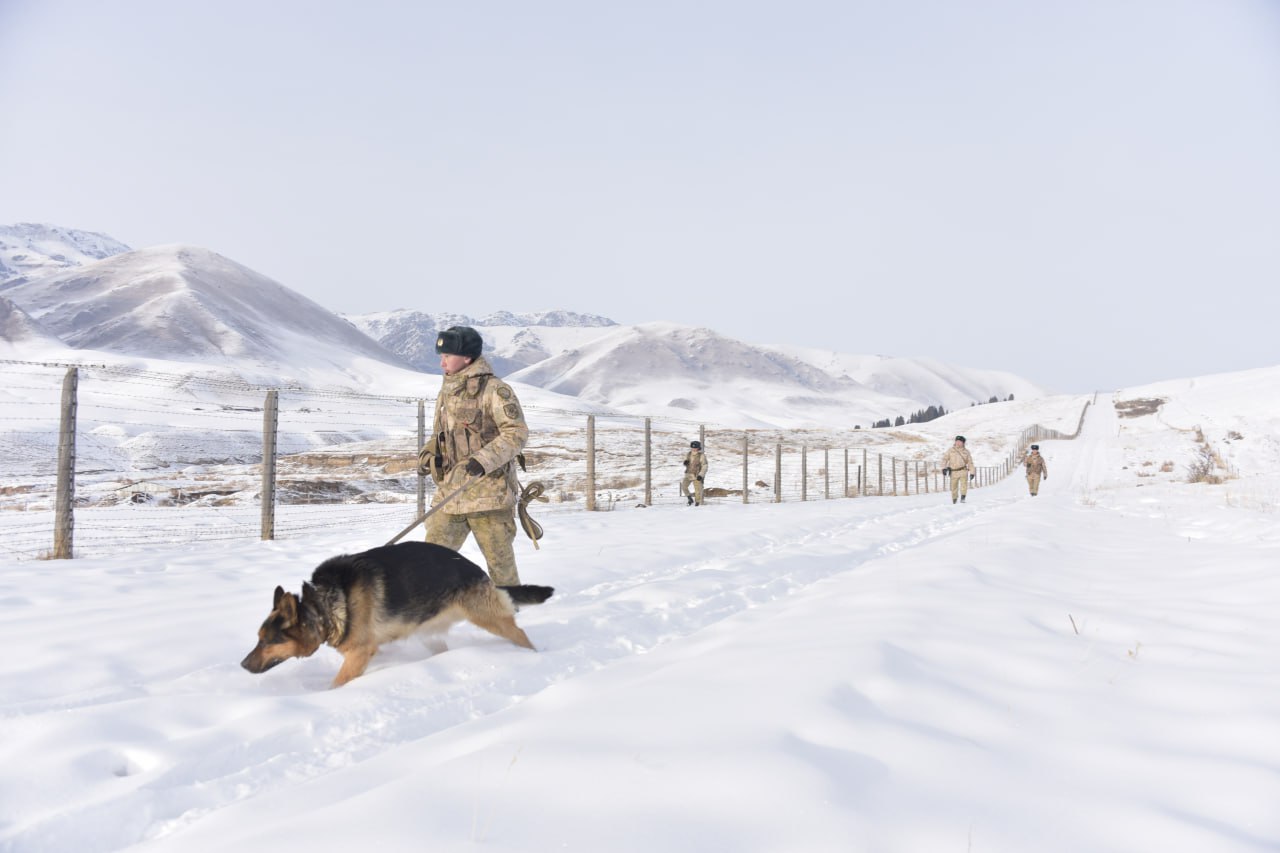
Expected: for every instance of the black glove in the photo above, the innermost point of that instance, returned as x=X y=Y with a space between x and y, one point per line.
x=973 y=476
x=686 y=464
x=425 y=461
x=474 y=468
x=946 y=471
x=699 y=479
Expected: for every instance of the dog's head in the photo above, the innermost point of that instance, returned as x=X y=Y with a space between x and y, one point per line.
x=283 y=635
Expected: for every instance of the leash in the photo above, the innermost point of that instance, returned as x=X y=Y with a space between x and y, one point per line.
x=530 y=493
x=468 y=484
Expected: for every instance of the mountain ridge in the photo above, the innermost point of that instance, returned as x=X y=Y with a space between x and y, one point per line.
x=30 y=250
x=662 y=367
x=187 y=303
x=192 y=305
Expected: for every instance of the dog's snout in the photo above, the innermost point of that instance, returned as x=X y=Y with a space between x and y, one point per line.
x=257 y=662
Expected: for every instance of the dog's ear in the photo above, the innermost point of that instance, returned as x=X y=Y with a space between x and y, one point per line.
x=275 y=602
x=288 y=607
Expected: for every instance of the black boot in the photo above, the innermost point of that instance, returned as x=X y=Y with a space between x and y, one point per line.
x=690 y=497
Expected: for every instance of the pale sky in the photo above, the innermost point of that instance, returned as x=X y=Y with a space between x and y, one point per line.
x=1086 y=194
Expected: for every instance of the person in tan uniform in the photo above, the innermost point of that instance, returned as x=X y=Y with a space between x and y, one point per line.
x=959 y=464
x=1037 y=469
x=695 y=471
x=478 y=432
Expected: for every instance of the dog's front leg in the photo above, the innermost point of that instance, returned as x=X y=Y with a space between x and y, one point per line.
x=354 y=662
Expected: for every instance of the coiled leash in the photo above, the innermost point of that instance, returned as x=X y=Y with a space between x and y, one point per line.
x=530 y=493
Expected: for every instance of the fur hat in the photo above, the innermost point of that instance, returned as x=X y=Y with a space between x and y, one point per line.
x=459 y=340
x=960 y=438
x=696 y=445
x=1035 y=447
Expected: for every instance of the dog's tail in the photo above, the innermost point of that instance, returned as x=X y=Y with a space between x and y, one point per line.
x=528 y=594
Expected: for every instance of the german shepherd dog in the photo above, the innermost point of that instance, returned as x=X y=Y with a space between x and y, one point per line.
x=357 y=602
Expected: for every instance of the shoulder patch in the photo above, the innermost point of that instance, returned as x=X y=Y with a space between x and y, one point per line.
x=504 y=392
x=512 y=410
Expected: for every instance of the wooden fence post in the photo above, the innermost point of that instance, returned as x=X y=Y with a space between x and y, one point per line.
x=648 y=462
x=880 y=474
x=804 y=472
x=270 y=420
x=863 y=471
x=826 y=474
x=746 y=491
x=777 y=474
x=591 y=463
x=846 y=472
x=64 y=520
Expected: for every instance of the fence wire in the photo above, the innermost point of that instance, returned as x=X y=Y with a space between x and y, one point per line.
x=173 y=459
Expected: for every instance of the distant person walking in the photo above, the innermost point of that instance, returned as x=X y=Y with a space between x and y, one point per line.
x=478 y=432
x=695 y=469
x=1037 y=469
x=957 y=463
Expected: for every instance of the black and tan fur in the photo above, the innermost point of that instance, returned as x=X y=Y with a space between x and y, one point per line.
x=357 y=602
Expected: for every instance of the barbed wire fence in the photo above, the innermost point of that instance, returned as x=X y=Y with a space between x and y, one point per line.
x=105 y=459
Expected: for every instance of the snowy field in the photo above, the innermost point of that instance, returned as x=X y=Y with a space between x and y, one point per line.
x=1093 y=669
x=193 y=442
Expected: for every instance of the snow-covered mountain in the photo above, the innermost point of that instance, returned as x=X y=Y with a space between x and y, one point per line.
x=676 y=371
x=512 y=341
x=20 y=329
x=30 y=250
x=190 y=304
x=679 y=371
x=204 y=312
x=919 y=378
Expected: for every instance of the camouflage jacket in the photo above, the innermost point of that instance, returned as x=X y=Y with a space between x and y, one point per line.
x=477 y=417
x=695 y=464
x=1035 y=464
x=958 y=459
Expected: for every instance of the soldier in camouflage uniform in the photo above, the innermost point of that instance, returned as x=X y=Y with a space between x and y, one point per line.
x=1036 y=469
x=958 y=463
x=479 y=430
x=695 y=471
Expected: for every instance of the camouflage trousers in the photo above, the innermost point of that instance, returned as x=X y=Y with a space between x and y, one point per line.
x=691 y=481
x=1033 y=482
x=959 y=484
x=495 y=531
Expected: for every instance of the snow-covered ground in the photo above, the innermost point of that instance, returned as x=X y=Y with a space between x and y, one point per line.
x=1092 y=669
x=193 y=438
